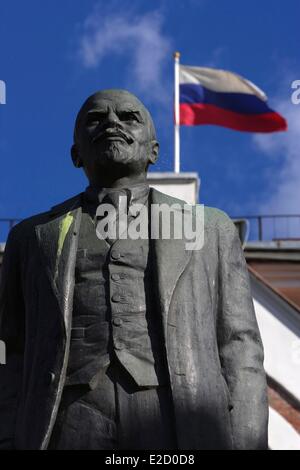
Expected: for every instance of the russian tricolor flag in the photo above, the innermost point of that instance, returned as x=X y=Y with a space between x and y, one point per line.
x=211 y=96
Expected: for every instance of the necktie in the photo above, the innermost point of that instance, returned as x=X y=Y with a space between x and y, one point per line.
x=117 y=202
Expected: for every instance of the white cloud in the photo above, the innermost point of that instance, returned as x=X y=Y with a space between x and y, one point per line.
x=284 y=147
x=137 y=37
x=217 y=57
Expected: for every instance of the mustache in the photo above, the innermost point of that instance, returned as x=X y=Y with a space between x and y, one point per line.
x=113 y=133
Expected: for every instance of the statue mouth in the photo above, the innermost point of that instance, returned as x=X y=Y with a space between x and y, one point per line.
x=113 y=135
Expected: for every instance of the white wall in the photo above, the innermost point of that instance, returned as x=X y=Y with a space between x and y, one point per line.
x=282 y=436
x=279 y=325
x=183 y=186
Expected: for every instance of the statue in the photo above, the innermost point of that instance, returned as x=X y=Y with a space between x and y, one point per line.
x=123 y=343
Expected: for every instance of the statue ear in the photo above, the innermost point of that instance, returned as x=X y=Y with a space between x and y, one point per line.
x=154 y=148
x=75 y=156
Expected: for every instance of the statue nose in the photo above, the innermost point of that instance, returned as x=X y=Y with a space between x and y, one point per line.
x=112 y=117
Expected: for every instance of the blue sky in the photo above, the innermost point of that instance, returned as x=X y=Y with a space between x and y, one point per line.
x=53 y=54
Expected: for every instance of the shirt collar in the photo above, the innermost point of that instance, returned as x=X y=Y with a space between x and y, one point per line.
x=136 y=194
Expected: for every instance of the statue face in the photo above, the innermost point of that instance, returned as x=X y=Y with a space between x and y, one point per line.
x=114 y=130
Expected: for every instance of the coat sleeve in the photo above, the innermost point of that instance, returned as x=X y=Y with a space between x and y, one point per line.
x=240 y=346
x=12 y=335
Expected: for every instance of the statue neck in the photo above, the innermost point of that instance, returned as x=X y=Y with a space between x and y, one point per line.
x=121 y=182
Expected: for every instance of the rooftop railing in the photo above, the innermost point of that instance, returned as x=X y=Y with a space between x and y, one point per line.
x=261 y=227
x=273 y=227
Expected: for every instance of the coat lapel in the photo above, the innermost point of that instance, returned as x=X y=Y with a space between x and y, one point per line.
x=58 y=243
x=170 y=259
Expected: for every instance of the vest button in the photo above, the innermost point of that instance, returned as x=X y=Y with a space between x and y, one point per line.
x=117 y=321
x=116 y=298
x=50 y=378
x=118 y=346
x=115 y=255
x=115 y=277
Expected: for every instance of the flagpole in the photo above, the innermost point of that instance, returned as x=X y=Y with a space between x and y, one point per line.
x=177 y=115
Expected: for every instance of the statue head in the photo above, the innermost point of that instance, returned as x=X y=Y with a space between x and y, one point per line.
x=114 y=137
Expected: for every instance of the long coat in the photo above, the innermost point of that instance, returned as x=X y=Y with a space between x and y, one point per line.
x=213 y=346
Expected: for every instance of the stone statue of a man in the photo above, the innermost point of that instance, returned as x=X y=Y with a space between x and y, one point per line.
x=123 y=343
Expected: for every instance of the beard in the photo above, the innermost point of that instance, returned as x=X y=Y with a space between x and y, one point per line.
x=117 y=157
x=118 y=154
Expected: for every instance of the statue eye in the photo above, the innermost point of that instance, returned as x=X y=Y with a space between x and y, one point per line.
x=92 y=122
x=93 y=119
x=128 y=116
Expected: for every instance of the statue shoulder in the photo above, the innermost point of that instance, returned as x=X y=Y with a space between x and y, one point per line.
x=217 y=217
x=218 y=222
x=214 y=219
x=26 y=227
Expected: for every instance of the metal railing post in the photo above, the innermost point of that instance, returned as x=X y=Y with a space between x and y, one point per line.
x=260 y=228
